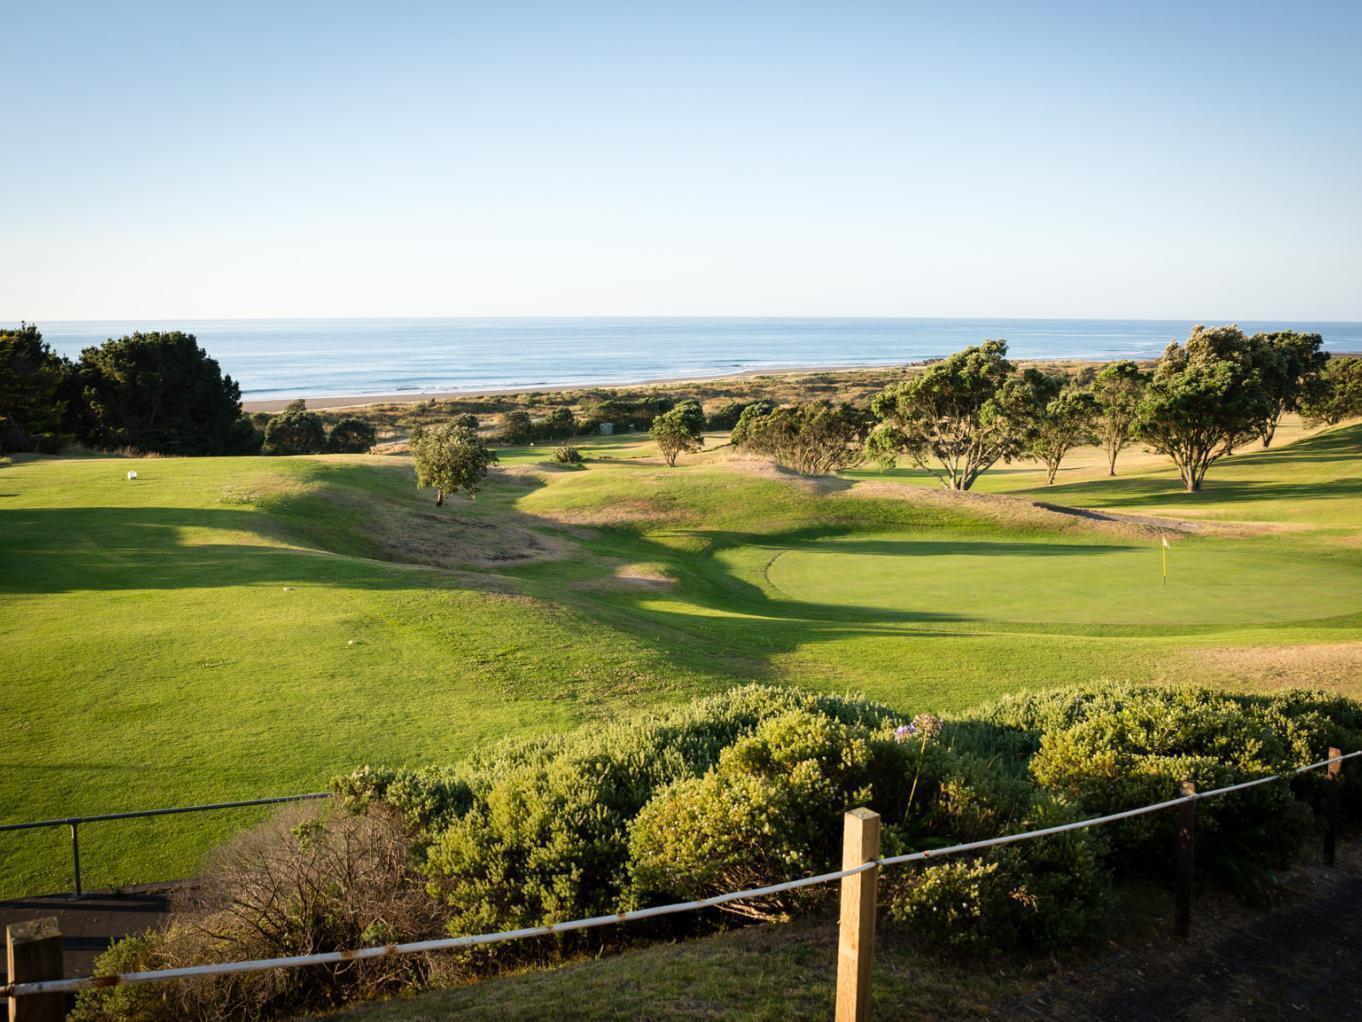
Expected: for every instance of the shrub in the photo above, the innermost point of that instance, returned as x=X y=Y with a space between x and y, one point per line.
x=295 y=432
x=566 y=454
x=724 y=415
x=303 y=882
x=351 y=436
x=749 y=417
x=769 y=810
x=514 y=428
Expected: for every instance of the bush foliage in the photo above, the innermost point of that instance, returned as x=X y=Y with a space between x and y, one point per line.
x=746 y=789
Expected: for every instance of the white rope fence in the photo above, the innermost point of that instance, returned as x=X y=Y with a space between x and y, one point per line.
x=56 y=986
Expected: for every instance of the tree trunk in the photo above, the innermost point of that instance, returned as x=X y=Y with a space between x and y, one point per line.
x=439 y=498
x=1111 y=460
x=1269 y=433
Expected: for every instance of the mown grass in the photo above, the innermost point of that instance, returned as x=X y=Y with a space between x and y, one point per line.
x=230 y=628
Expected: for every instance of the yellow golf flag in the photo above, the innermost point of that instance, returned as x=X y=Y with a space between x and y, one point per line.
x=1165 y=560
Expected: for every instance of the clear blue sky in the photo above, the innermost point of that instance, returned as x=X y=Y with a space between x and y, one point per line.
x=1198 y=160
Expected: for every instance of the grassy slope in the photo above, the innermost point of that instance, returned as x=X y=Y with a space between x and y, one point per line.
x=189 y=636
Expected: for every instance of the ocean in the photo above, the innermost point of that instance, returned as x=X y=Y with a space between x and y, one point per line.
x=286 y=358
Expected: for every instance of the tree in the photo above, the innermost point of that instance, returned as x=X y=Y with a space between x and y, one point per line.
x=157 y=392
x=1339 y=396
x=1293 y=369
x=812 y=439
x=692 y=414
x=675 y=433
x=1117 y=390
x=957 y=418
x=514 y=428
x=295 y=433
x=296 y=405
x=450 y=457
x=748 y=418
x=351 y=436
x=1062 y=423
x=33 y=385
x=1207 y=397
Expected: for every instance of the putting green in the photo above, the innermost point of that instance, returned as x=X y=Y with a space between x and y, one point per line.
x=931 y=577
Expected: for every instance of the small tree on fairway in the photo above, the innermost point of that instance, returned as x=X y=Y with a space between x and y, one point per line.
x=957 y=418
x=675 y=433
x=295 y=433
x=1207 y=398
x=1062 y=423
x=1118 y=389
x=351 y=436
x=1293 y=367
x=449 y=458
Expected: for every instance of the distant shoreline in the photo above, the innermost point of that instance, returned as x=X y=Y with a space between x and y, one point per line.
x=411 y=397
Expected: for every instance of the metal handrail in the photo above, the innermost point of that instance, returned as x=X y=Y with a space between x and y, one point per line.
x=74 y=822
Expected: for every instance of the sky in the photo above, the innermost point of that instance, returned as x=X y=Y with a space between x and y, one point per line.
x=1190 y=160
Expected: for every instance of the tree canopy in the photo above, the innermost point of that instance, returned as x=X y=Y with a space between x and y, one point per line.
x=1207 y=397
x=1293 y=373
x=157 y=392
x=34 y=382
x=1340 y=395
x=813 y=439
x=1064 y=419
x=1118 y=389
x=450 y=457
x=957 y=418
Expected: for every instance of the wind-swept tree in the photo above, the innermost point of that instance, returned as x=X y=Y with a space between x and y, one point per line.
x=957 y=418
x=676 y=432
x=813 y=439
x=1293 y=373
x=1118 y=389
x=450 y=457
x=1064 y=419
x=1207 y=397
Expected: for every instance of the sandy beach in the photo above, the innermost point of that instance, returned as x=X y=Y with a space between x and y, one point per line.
x=323 y=403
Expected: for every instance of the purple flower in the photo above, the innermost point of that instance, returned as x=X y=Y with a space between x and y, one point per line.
x=904 y=732
x=929 y=725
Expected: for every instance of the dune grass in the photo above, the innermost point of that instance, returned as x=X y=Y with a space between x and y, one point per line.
x=232 y=628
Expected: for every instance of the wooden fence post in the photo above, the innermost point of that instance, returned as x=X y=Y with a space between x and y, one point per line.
x=1331 y=806
x=856 y=931
x=1182 y=916
x=33 y=952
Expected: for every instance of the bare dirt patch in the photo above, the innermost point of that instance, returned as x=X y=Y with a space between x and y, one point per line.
x=620 y=512
x=632 y=576
x=1333 y=665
